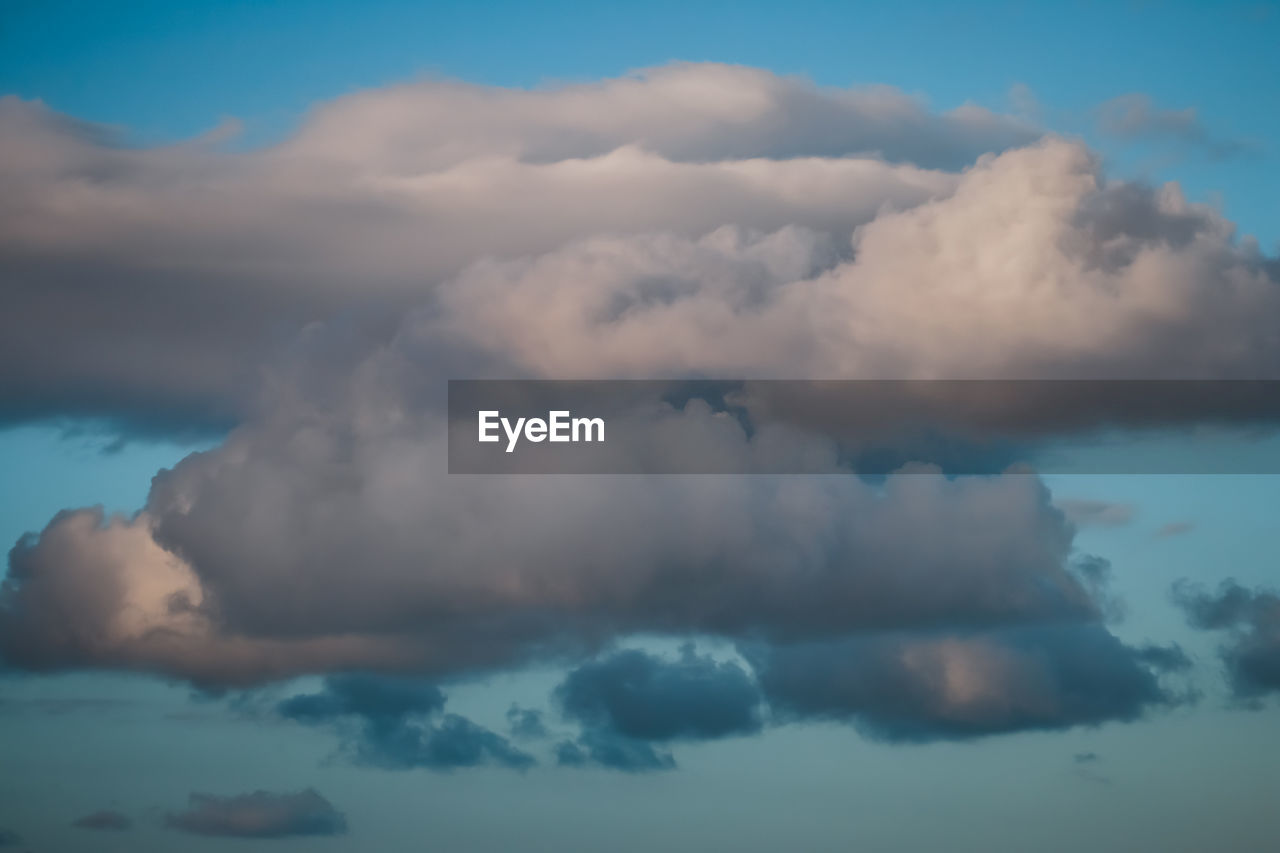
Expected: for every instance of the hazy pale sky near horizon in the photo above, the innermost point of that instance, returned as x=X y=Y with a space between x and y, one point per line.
x=241 y=241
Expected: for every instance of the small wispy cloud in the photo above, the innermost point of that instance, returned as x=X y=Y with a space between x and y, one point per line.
x=1136 y=116
x=1174 y=528
x=1095 y=513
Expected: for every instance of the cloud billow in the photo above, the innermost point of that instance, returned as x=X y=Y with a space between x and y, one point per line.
x=308 y=300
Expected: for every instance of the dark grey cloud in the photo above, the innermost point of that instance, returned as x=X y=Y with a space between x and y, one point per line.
x=526 y=723
x=629 y=700
x=261 y=814
x=612 y=751
x=1086 y=758
x=1250 y=619
x=1166 y=658
x=372 y=697
x=398 y=724
x=1137 y=116
x=642 y=696
x=9 y=838
x=104 y=820
x=952 y=687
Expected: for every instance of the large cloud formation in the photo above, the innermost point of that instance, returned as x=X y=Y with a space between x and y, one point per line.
x=692 y=220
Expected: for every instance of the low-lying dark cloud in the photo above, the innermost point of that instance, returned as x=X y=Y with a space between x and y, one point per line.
x=398 y=724
x=1250 y=619
x=615 y=752
x=638 y=695
x=9 y=838
x=629 y=700
x=261 y=814
x=104 y=820
x=953 y=687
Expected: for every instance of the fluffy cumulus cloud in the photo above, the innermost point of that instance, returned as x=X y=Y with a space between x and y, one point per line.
x=261 y=814
x=1250 y=620
x=171 y=274
x=397 y=724
x=694 y=220
x=491 y=571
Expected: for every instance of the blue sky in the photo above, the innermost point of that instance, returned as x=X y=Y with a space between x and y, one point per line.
x=1194 y=777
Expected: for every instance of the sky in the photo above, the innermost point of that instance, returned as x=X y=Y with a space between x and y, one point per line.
x=244 y=245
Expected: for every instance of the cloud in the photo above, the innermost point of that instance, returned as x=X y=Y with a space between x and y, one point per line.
x=606 y=749
x=526 y=723
x=396 y=723
x=641 y=696
x=381 y=196
x=628 y=700
x=1175 y=528
x=1086 y=764
x=1250 y=619
x=9 y=838
x=686 y=112
x=260 y=814
x=368 y=696
x=696 y=220
x=1098 y=280
x=917 y=688
x=698 y=195
x=1136 y=116
x=1095 y=513
x=807 y=556
x=104 y=820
